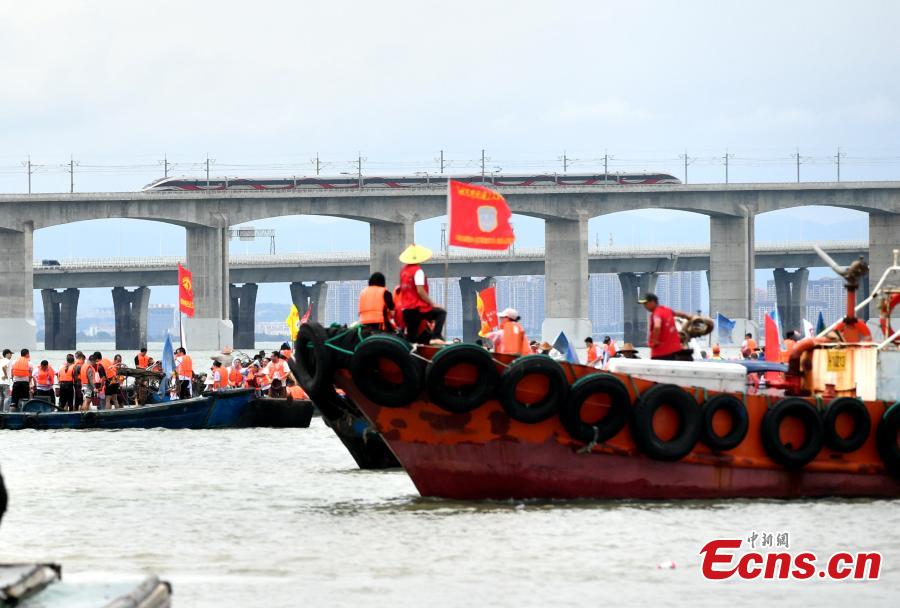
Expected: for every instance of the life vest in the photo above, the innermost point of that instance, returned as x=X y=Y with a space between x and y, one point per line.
x=218 y=382
x=287 y=353
x=44 y=377
x=186 y=367
x=278 y=371
x=611 y=349
x=409 y=294
x=789 y=346
x=66 y=373
x=262 y=379
x=143 y=360
x=371 y=305
x=110 y=369
x=854 y=332
x=513 y=340
x=83 y=373
x=296 y=392
x=235 y=377
x=591 y=353
x=22 y=368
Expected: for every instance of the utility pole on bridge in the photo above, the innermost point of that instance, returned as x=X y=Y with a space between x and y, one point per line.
x=30 y=169
x=726 y=158
x=72 y=165
x=837 y=159
x=686 y=158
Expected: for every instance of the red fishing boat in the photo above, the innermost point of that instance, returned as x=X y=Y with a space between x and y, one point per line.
x=466 y=424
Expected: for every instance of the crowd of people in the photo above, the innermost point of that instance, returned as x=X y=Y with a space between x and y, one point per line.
x=83 y=382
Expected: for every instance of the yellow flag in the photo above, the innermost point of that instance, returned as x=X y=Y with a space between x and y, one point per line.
x=293 y=322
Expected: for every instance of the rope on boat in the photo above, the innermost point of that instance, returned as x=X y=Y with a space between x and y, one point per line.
x=330 y=341
x=634 y=387
x=589 y=447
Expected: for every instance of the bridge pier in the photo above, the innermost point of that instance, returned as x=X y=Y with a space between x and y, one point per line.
x=790 y=297
x=468 y=288
x=566 y=280
x=17 y=324
x=243 y=314
x=634 y=315
x=731 y=266
x=387 y=240
x=315 y=295
x=60 y=313
x=884 y=237
x=207 y=259
x=130 y=308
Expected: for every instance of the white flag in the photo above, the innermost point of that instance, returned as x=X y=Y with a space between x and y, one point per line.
x=808 y=330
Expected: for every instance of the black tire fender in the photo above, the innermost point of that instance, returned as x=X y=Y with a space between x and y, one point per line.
x=786 y=455
x=740 y=422
x=89 y=420
x=862 y=424
x=886 y=439
x=689 y=416
x=313 y=361
x=364 y=367
x=609 y=425
x=465 y=398
x=545 y=407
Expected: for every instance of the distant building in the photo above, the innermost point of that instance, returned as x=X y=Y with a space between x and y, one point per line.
x=161 y=318
x=827 y=296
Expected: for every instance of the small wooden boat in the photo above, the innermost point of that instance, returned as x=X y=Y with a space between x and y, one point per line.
x=213 y=410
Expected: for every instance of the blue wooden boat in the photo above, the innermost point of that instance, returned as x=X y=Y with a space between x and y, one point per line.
x=212 y=410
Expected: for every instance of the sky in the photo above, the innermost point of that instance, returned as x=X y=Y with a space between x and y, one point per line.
x=117 y=86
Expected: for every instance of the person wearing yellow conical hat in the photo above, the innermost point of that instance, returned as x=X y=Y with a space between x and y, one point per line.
x=416 y=306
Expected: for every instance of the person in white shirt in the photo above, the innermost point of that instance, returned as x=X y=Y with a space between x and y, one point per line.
x=5 y=378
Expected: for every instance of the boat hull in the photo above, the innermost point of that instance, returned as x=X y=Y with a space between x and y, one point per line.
x=484 y=454
x=225 y=410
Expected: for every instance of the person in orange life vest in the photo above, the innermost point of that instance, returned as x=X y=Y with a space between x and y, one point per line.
x=217 y=374
x=591 y=350
x=414 y=301
x=66 y=377
x=76 y=376
x=663 y=338
x=716 y=352
x=90 y=381
x=184 y=372
x=278 y=371
x=748 y=346
x=142 y=360
x=236 y=374
x=44 y=379
x=285 y=351
x=853 y=330
x=790 y=340
x=22 y=379
x=510 y=338
x=294 y=391
x=610 y=345
x=113 y=382
x=376 y=305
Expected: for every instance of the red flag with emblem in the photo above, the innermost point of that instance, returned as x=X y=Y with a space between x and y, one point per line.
x=185 y=291
x=486 y=304
x=478 y=217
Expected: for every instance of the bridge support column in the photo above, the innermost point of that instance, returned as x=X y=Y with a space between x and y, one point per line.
x=243 y=314
x=315 y=295
x=634 y=315
x=207 y=259
x=60 y=312
x=731 y=266
x=130 y=308
x=790 y=297
x=387 y=240
x=468 y=288
x=566 y=280
x=884 y=237
x=17 y=324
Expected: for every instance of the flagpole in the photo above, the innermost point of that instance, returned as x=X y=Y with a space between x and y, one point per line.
x=447 y=254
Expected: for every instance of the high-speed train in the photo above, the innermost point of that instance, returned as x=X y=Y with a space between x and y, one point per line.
x=405 y=181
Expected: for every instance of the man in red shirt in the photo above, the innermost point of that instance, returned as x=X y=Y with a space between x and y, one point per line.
x=414 y=301
x=663 y=338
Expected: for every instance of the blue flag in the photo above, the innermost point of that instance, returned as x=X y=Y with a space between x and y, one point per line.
x=726 y=326
x=820 y=324
x=563 y=345
x=168 y=366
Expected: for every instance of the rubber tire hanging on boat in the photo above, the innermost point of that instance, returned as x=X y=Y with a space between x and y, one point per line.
x=607 y=427
x=366 y=376
x=30 y=421
x=812 y=426
x=467 y=397
x=862 y=425
x=886 y=439
x=549 y=404
x=689 y=416
x=740 y=423
x=313 y=361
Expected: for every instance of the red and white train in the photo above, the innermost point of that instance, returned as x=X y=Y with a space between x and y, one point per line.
x=406 y=181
